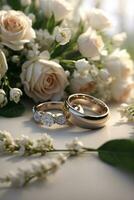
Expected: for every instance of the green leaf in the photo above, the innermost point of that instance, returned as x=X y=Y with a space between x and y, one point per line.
x=119 y=153
x=51 y=24
x=59 y=50
x=12 y=110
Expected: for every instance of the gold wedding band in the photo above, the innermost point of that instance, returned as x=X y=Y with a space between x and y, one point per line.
x=42 y=114
x=94 y=115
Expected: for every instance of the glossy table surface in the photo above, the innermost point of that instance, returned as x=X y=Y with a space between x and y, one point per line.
x=82 y=178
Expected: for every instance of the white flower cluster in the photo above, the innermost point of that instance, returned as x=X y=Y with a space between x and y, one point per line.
x=25 y=145
x=40 y=169
x=15 y=95
x=75 y=147
x=51 y=55
x=114 y=72
x=37 y=170
x=127 y=111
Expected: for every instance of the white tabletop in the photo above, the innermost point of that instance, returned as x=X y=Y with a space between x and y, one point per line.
x=82 y=178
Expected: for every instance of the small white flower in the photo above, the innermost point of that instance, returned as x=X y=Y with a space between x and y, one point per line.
x=127 y=111
x=15 y=59
x=24 y=140
x=67 y=73
x=75 y=145
x=45 y=143
x=62 y=157
x=62 y=35
x=82 y=65
x=94 y=71
x=38 y=168
x=44 y=38
x=54 y=163
x=15 y=94
x=7 y=138
x=3 y=98
x=45 y=55
x=17 y=179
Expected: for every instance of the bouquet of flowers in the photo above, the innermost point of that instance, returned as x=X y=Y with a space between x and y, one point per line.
x=46 y=54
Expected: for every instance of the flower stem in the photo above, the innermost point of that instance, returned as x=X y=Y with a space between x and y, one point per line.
x=90 y=149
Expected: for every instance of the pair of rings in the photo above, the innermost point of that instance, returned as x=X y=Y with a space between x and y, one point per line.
x=79 y=109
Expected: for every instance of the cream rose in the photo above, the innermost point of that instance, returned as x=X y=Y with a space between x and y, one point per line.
x=3 y=64
x=43 y=80
x=90 y=44
x=98 y=19
x=59 y=8
x=15 y=29
x=119 y=64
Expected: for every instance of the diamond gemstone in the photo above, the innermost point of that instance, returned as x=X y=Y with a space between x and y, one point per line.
x=60 y=119
x=47 y=119
x=37 y=116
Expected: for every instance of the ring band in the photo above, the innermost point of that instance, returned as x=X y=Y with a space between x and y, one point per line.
x=42 y=116
x=99 y=111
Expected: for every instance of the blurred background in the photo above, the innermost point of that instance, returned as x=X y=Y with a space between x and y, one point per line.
x=120 y=11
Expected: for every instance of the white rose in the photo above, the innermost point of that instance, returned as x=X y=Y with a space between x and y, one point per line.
x=62 y=35
x=3 y=64
x=119 y=64
x=119 y=38
x=90 y=44
x=121 y=89
x=59 y=8
x=43 y=80
x=15 y=29
x=3 y=98
x=15 y=94
x=98 y=19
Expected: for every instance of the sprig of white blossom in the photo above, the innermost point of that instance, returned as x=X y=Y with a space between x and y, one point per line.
x=25 y=145
x=127 y=111
x=36 y=170
x=40 y=169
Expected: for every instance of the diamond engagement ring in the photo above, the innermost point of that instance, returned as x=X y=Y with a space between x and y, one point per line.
x=42 y=114
x=94 y=115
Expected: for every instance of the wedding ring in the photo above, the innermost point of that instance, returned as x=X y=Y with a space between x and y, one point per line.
x=94 y=115
x=42 y=114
